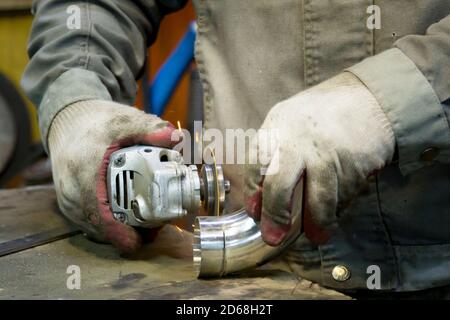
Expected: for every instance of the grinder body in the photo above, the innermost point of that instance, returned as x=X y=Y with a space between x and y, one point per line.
x=151 y=186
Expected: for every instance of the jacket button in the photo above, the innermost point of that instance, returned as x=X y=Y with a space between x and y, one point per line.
x=429 y=154
x=340 y=273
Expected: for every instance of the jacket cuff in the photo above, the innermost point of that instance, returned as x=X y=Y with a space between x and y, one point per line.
x=72 y=86
x=417 y=117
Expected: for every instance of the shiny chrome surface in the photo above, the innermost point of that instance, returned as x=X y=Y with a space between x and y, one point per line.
x=213 y=188
x=233 y=242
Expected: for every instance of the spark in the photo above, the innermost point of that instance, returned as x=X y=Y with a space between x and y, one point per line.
x=180 y=231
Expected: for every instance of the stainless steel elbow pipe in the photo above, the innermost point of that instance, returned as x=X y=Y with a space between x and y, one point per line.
x=232 y=242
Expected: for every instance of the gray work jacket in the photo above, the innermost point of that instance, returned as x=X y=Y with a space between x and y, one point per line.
x=252 y=54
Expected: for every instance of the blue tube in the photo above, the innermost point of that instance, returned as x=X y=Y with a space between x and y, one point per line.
x=170 y=73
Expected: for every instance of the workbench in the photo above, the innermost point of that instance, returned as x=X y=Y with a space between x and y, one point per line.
x=38 y=246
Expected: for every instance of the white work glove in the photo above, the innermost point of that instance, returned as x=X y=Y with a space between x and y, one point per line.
x=81 y=139
x=331 y=137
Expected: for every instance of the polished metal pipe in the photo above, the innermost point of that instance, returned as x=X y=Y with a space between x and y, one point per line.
x=233 y=242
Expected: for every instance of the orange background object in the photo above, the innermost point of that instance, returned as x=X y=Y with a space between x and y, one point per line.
x=171 y=30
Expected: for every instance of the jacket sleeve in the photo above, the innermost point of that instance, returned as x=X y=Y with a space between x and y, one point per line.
x=412 y=84
x=88 y=50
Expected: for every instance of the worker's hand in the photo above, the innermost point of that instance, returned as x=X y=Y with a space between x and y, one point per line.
x=81 y=140
x=331 y=137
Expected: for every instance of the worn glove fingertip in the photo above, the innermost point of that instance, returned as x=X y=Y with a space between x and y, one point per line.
x=253 y=205
x=148 y=235
x=124 y=238
x=273 y=233
x=161 y=138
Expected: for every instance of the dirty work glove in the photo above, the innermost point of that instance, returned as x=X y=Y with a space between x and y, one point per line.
x=81 y=139
x=330 y=137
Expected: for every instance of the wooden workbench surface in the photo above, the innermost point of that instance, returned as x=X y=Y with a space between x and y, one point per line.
x=163 y=270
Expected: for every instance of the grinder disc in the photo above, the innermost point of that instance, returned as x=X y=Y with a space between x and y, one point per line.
x=213 y=188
